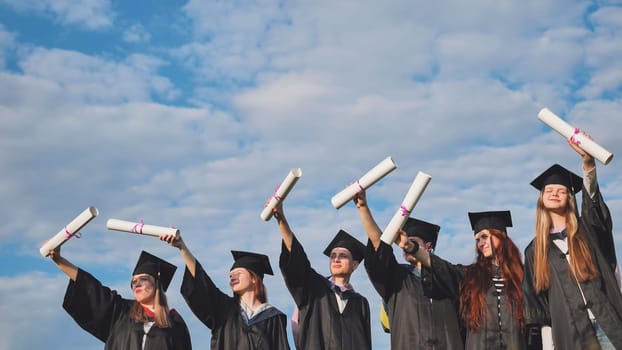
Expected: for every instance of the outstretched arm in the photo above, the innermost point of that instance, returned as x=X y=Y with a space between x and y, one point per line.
x=286 y=231
x=369 y=224
x=189 y=259
x=63 y=264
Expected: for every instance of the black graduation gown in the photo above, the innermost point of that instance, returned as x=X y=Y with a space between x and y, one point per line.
x=105 y=314
x=222 y=314
x=321 y=326
x=447 y=277
x=420 y=322
x=562 y=306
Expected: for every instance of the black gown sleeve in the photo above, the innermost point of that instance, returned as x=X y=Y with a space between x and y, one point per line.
x=596 y=217
x=93 y=306
x=446 y=276
x=206 y=301
x=297 y=272
x=383 y=269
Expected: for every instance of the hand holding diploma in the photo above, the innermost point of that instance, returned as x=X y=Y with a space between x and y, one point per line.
x=69 y=231
x=281 y=192
x=575 y=135
x=140 y=228
x=370 y=178
x=399 y=219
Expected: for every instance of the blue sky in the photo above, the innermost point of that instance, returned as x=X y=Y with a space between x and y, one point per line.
x=190 y=113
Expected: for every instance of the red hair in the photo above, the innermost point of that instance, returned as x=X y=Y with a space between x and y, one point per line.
x=477 y=281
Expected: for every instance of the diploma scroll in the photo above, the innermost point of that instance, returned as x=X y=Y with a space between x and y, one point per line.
x=69 y=231
x=281 y=192
x=371 y=177
x=563 y=128
x=140 y=228
x=412 y=197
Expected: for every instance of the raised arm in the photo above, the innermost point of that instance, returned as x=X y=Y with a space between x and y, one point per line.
x=63 y=264
x=189 y=259
x=286 y=231
x=369 y=224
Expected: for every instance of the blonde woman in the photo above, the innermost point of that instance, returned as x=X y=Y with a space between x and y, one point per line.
x=569 y=286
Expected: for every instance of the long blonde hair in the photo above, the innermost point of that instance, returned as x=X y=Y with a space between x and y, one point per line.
x=161 y=310
x=581 y=263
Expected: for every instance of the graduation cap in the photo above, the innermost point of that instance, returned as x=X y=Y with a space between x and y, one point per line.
x=345 y=240
x=425 y=230
x=499 y=220
x=558 y=175
x=161 y=270
x=258 y=263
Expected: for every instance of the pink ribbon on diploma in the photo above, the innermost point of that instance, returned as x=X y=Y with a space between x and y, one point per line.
x=69 y=234
x=404 y=211
x=138 y=227
x=360 y=187
x=573 y=139
x=276 y=196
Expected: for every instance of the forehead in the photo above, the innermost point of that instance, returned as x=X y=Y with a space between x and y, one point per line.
x=238 y=270
x=554 y=187
x=340 y=250
x=142 y=275
x=482 y=234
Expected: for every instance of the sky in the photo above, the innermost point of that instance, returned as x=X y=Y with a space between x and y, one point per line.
x=189 y=113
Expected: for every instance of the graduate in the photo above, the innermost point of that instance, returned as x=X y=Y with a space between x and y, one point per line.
x=489 y=291
x=570 y=286
x=244 y=321
x=144 y=323
x=422 y=322
x=330 y=315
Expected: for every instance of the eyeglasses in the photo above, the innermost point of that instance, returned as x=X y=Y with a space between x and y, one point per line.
x=141 y=279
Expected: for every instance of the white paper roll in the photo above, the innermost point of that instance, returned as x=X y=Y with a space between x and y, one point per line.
x=281 y=192
x=371 y=177
x=140 y=228
x=412 y=196
x=563 y=128
x=69 y=231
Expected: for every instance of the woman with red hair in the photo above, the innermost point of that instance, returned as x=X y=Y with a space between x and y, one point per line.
x=489 y=291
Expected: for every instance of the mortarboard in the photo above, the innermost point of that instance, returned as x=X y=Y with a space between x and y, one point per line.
x=558 y=175
x=425 y=230
x=258 y=263
x=160 y=270
x=499 y=220
x=344 y=240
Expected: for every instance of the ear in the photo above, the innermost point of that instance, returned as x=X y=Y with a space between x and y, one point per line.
x=355 y=264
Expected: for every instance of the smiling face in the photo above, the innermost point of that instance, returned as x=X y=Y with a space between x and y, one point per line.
x=143 y=286
x=555 y=197
x=484 y=241
x=240 y=280
x=341 y=262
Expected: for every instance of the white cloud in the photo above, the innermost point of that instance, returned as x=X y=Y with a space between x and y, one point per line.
x=7 y=42
x=136 y=34
x=93 y=79
x=88 y=14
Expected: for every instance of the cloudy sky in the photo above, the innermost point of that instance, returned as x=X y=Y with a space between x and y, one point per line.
x=190 y=113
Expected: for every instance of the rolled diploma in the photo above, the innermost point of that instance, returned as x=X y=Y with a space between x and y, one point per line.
x=281 y=192
x=563 y=128
x=140 y=228
x=412 y=196
x=371 y=177
x=69 y=231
